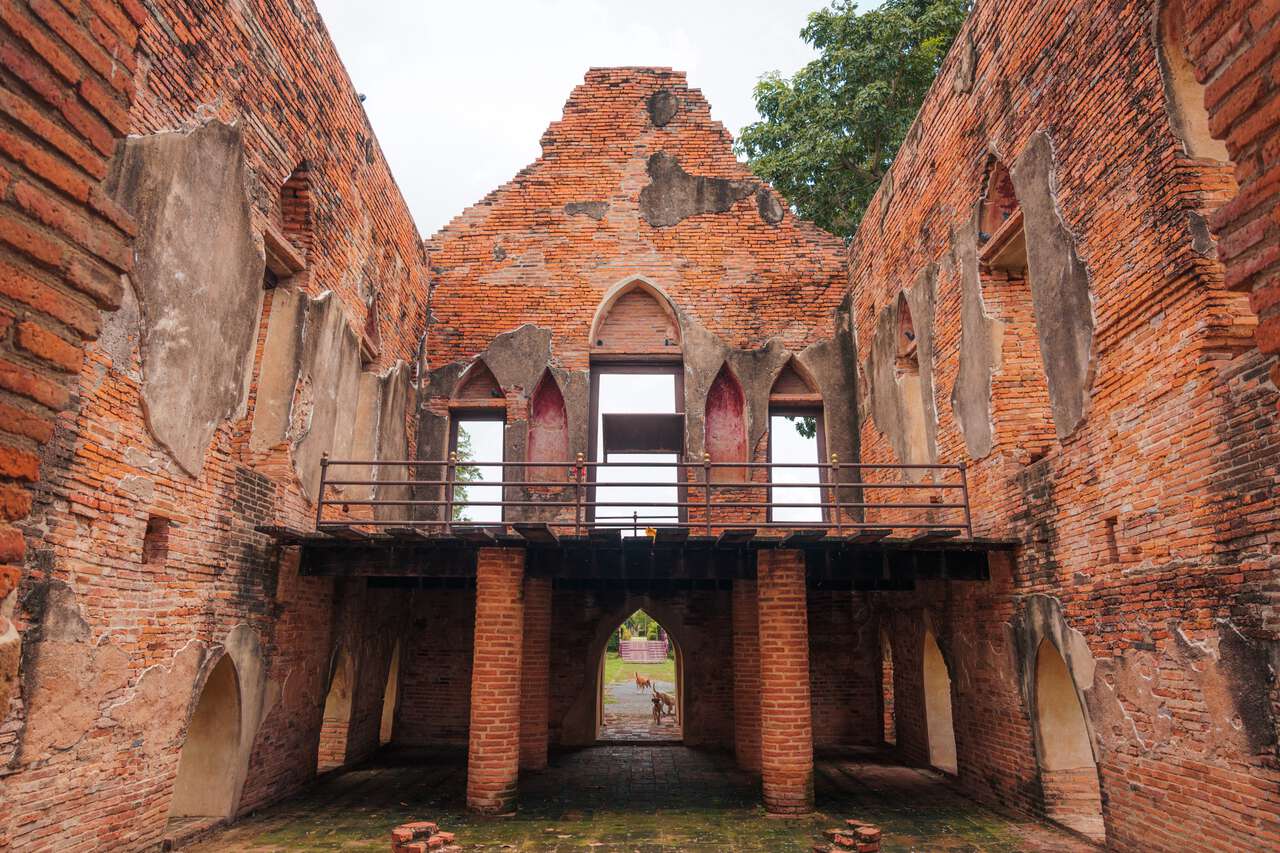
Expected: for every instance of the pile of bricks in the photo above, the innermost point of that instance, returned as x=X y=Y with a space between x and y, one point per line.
x=854 y=835
x=421 y=836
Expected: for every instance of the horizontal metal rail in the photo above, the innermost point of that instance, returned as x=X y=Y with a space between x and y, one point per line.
x=842 y=500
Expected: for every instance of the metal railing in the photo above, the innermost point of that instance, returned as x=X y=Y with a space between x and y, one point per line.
x=921 y=497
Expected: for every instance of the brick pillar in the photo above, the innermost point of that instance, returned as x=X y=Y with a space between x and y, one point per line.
x=746 y=675
x=786 y=725
x=494 y=750
x=536 y=673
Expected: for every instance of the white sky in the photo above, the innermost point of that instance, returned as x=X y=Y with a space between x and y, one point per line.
x=459 y=93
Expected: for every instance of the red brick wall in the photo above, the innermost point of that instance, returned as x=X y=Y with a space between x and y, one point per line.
x=843 y=677
x=1234 y=50
x=535 y=684
x=71 y=86
x=493 y=753
x=746 y=675
x=786 y=718
x=1149 y=522
x=435 y=701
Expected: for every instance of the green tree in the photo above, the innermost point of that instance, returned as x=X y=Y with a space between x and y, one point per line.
x=463 y=474
x=830 y=133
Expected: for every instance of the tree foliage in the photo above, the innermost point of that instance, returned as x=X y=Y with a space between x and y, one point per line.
x=830 y=133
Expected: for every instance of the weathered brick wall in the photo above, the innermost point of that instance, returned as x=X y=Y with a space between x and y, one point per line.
x=67 y=78
x=1234 y=50
x=106 y=633
x=435 y=703
x=1144 y=525
x=843 y=669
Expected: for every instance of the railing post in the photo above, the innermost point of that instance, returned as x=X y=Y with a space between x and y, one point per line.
x=448 y=491
x=706 y=489
x=835 y=491
x=324 y=475
x=577 y=496
x=964 y=491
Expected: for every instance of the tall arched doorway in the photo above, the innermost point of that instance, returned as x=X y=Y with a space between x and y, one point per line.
x=390 y=696
x=1068 y=771
x=937 y=707
x=337 y=715
x=206 y=780
x=640 y=695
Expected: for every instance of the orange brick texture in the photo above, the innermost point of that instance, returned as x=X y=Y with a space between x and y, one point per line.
x=746 y=675
x=786 y=724
x=493 y=753
x=1235 y=48
x=1150 y=524
x=535 y=683
x=77 y=76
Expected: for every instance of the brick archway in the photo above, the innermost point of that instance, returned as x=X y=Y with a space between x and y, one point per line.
x=667 y=618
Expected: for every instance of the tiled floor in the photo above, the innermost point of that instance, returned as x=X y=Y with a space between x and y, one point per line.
x=628 y=715
x=622 y=799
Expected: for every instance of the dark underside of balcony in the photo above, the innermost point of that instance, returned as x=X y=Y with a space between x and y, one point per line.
x=863 y=561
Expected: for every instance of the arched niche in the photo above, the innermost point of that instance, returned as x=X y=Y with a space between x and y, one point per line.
x=937 y=706
x=794 y=383
x=1184 y=94
x=390 y=698
x=206 y=782
x=478 y=384
x=636 y=319
x=1068 y=770
x=725 y=425
x=336 y=723
x=548 y=431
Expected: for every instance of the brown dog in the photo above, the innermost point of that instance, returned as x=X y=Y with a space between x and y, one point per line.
x=664 y=703
x=643 y=682
x=657 y=709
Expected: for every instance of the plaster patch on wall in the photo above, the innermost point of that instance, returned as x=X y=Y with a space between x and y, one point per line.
x=673 y=194
x=198 y=271
x=1060 y=294
x=981 y=340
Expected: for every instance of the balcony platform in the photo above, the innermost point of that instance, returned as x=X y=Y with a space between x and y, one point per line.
x=853 y=560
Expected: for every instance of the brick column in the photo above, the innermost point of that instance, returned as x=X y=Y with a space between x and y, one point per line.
x=494 y=750
x=536 y=673
x=746 y=675
x=786 y=725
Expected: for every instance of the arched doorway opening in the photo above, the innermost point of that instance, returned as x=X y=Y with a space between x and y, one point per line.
x=1068 y=770
x=640 y=695
x=390 y=696
x=337 y=715
x=890 y=731
x=937 y=707
x=206 y=780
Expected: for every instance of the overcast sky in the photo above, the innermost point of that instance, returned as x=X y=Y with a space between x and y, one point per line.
x=460 y=92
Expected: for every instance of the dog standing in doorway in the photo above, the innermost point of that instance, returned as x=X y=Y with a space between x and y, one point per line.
x=663 y=703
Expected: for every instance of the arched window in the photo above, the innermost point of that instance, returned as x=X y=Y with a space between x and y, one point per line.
x=725 y=425
x=937 y=707
x=548 y=431
x=1068 y=772
x=206 y=768
x=1184 y=94
x=636 y=320
x=796 y=437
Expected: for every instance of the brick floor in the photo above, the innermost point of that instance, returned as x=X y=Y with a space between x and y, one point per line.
x=613 y=798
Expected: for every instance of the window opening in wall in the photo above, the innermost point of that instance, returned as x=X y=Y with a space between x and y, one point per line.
x=641 y=390
x=937 y=707
x=155 y=541
x=1184 y=94
x=641 y=693
x=795 y=439
x=477 y=438
x=1113 y=544
x=206 y=781
x=1068 y=772
x=1020 y=389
